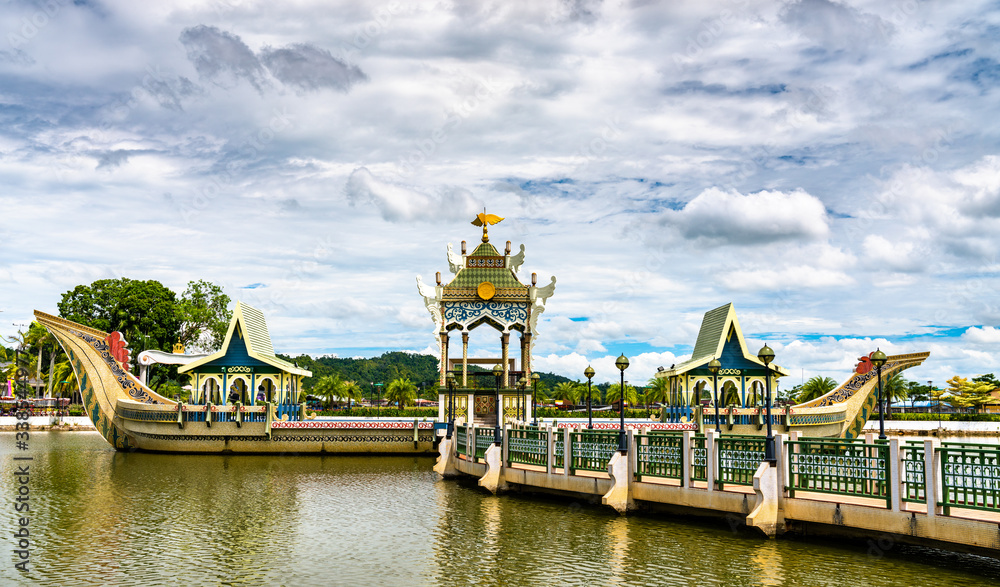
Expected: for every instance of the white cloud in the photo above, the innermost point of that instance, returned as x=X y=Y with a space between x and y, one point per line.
x=402 y=204
x=982 y=335
x=728 y=217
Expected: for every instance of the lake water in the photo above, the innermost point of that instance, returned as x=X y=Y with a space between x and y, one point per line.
x=105 y=518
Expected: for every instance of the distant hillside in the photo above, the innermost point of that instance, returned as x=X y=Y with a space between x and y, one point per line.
x=421 y=369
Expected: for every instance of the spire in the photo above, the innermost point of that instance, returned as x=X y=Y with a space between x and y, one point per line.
x=485 y=220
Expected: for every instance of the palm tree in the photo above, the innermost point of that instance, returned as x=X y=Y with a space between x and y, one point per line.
x=350 y=390
x=402 y=391
x=894 y=388
x=330 y=388
x=658 y=390
x=816 y=387
x=614 y=394
x=567 y=391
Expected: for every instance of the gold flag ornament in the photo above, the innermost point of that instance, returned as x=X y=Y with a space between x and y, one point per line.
x=485 y=220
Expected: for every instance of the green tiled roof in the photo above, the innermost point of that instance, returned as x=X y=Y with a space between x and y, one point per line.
x=499 y=277
x=486 y=250
x=712 y=326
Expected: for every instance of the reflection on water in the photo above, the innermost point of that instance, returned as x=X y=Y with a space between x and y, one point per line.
x=106 y=518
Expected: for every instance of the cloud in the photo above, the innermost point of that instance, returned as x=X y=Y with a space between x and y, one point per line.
x=716 y=217
x=222 y=57
x=834 y=25
x=310 y=68
x=982 y=335
x=403 y=204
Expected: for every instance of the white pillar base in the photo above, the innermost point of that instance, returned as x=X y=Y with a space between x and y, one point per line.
x=494 y=480
x=445 y=465
x=618 y=497
x=766 y=515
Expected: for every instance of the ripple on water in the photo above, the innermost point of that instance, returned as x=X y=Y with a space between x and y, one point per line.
x=107 y=518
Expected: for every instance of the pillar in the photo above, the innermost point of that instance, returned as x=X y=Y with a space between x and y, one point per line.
x=526 y=356
x=444 y=356
x=504 y=353
x=465 y=358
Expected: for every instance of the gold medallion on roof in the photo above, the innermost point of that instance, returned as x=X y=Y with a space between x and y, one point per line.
x=486 y=290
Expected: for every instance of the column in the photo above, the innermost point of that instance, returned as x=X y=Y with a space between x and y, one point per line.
x=444 y=356
x=504 y=340
x=526 y=359
x=465 y=358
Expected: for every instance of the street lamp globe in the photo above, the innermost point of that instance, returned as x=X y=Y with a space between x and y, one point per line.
x=621 y=362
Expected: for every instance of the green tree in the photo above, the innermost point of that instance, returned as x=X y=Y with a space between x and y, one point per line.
x=815 y=387
x=894 y=389
x=203 y=314
x=567 y=391
x=352 y=391
x=330 y=388
x=144 y=311
x=402 y=391
x=657 y=390
x=614 y=394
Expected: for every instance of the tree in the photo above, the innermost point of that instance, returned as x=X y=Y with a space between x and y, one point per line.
x=203 y=314
x=970 y=394
x=352 y=391
x=567 y=391
x=402 y=391
x=816 y=387
x=144 y=311
x=658 y=390
x=330 y=388
x=614 y=394
x=894 y=389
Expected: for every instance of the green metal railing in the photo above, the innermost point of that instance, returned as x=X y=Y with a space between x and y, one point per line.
x=558 y=449
x=699 y=458
x=591 y=450
x=461 y=440
x=842 y=468
x=659 y=455
x=484 y=438
x=739 y=459
x=913 y=481
x=970 y=478
x=527 y=446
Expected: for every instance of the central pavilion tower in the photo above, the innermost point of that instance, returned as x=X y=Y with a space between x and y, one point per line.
x=485 y=290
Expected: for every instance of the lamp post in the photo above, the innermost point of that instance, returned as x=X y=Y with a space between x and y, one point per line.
x=589 y=373
x=497 y=373
x=534 y=391
x=878 y=359
x=522 y=383
x=714 y=367
x=450 y=379
x=622 y=364
x=766 y=355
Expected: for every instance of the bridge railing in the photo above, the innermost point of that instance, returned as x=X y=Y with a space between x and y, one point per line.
x=842 y=468
x=970 y=477
x=913 y=478
x=659 y=455
x=484 y=438
x=461 y=439
x=591 y=450
x=527 y=446
x=699 y=458
x=739 y=457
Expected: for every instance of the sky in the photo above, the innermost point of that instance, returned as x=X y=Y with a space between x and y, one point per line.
x=831 y=168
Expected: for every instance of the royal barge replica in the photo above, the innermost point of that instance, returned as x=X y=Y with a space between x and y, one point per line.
x=243 y=400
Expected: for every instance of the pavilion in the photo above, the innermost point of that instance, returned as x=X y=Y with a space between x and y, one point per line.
x=245 y=367
x=741 y=376
x=485 y=290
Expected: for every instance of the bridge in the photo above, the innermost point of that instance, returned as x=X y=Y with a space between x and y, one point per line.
x=927 y=492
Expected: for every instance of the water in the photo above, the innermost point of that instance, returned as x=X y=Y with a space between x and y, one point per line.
x=106 y=518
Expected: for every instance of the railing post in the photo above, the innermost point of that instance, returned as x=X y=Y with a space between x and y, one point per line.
x=686 y=458
x=551 y=452
x=780 y=453
x=633 y=458
x=567 y=451
x=932 y=476
x=505 y=455
x=470 y=443
x=895 y=481
x=711 y=459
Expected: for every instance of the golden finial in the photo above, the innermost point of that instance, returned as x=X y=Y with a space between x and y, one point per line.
x=178 y=348
x=485 y=220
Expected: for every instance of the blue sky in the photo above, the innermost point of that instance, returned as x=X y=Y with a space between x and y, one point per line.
x=832 y=168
